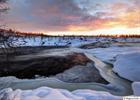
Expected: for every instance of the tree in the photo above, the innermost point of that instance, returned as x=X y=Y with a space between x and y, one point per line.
x=4 y=38
x=2 y=9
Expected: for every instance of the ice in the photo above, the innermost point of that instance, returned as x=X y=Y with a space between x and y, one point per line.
x=96 y=95
x=136 y=88
x=109 y=54
x=46 y=93
x=128 y=66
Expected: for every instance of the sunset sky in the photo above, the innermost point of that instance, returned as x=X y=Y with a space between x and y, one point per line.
x=74 y=17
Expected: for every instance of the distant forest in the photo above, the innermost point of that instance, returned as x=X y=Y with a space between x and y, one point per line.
x=18 y=33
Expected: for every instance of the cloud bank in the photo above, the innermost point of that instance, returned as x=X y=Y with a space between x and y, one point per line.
x=72 y=15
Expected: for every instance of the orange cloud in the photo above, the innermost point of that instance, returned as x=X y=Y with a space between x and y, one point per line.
x=126 y=18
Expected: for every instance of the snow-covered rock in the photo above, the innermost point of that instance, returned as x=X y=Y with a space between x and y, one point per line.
x=82 y=74
x=45 y=93
x=136 y=88
x=95 y=95
x=128 y=66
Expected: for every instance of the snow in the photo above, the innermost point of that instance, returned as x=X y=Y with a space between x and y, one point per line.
x=123 y=86
x=74 y=75
x=66 y=41
x=109 y=54
x=96 y=95
x=126 y=62
x=46 y=93
x=136 y=88
x=72 y=41
x=128 y=66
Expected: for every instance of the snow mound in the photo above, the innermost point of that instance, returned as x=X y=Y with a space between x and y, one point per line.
x=136 y=88
x=45 y=93
x=128 y=66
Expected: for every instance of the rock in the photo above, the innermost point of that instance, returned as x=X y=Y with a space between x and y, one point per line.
x=81 y=74
x=24 y=50
x=136 y=88
x=96 y=45
x=128 y=66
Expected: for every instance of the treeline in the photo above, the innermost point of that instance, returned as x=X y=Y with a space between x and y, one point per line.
x=30 y=34
x=17 y=33
x=121 y=35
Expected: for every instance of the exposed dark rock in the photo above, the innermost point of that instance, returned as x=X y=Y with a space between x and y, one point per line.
x=27 y=50
x=96 y=45
x=36 y=64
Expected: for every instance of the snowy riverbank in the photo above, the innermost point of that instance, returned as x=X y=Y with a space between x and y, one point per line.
x=118 y=65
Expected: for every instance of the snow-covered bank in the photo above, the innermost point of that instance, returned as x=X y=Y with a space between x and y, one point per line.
x=67 y=41
x=118 y=85
x=45 y=93
x=73 y=41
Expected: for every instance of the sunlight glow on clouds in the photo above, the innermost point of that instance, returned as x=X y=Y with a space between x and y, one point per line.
x=111 y=31
x=74 y=16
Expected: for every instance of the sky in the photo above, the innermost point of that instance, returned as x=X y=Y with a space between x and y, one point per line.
x=73 y=17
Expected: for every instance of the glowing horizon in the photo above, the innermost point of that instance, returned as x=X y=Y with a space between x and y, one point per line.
x=121 y=30
x=113 y=31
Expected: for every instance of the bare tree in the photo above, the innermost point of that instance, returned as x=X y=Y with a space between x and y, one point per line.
x=4 y=38
x=3 y=9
